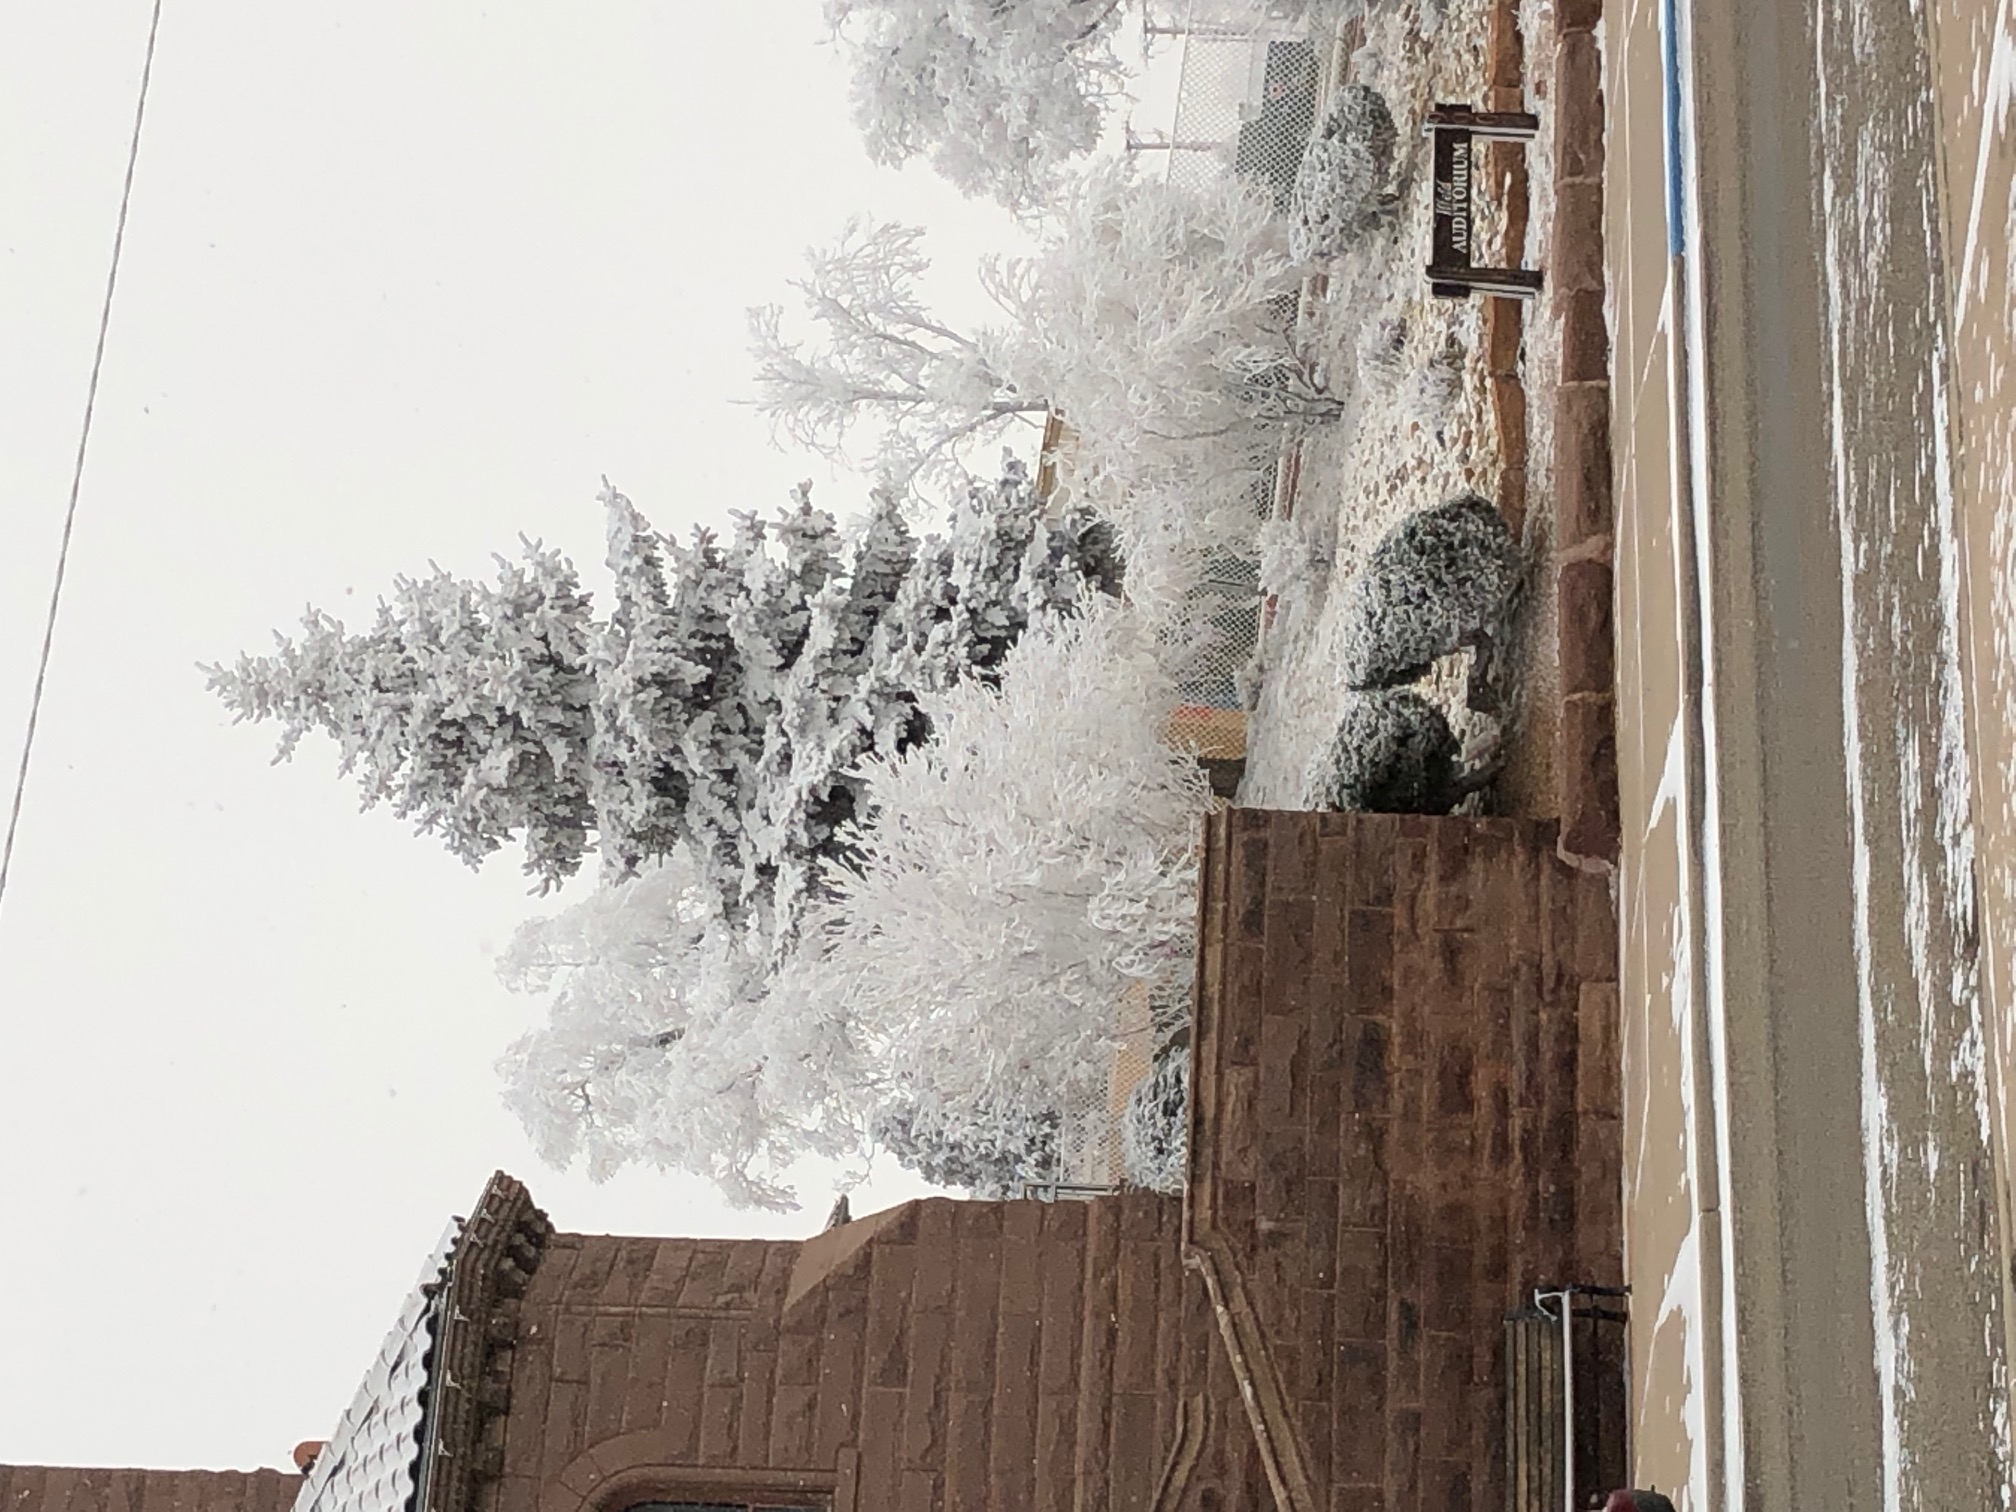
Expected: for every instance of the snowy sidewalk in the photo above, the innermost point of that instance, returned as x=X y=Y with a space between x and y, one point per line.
x=1974 y=72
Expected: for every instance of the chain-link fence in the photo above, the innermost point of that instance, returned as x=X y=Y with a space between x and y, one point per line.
x=1252 y=80
x=1090 y=1152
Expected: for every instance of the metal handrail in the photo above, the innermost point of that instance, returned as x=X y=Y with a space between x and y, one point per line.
x=1564 y=1311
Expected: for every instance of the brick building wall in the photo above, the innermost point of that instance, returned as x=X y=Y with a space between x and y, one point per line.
x=1405 y=1118
x=944 y=1354
x=57 y=1488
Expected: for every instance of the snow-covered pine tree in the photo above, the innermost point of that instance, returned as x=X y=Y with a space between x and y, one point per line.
x=772 y=622
x=987 y=1152
x=992 y=528
x=726 y=701
x=852 y=705
x=466 y=707
x=656 y=659
x=811 y=665
x=911 y=620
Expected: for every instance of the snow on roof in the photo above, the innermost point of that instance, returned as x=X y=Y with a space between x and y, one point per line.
x=372 y=1461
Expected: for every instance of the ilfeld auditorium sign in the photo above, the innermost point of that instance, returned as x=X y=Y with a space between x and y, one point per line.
x=1451 y=271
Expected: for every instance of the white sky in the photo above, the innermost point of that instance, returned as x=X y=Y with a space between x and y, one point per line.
x=400 y=282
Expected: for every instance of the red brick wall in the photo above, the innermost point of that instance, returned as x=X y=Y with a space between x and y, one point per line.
x=1406 y=1118
x=954 y=1355
x=47 y=1488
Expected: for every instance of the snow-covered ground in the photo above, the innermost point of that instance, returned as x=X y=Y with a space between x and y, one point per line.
x=1420 y=428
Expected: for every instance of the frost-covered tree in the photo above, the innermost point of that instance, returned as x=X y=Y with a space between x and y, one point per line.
x=832 y=710
x=1017 y=874
x=661 y=1046
x=884 y=356
x=467 y=707
x=1155 y=317
x=998 y=94
x=963 y=955
x=1343 y=184
x=1394 y=753
x=1444 y=578
x=890 y=639
x=658 y=661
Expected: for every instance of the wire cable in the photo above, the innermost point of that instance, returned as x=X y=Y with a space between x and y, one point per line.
x=83 y=446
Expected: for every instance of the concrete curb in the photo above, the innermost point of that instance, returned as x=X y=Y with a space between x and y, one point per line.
x=1586 y=765
x=1586 y=759
x=1505 y=319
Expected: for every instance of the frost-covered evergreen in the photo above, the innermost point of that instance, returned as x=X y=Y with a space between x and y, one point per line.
x=987 y=1152
x=724 y=704
x=658 y=660
x=1444 y=578
x=1006 y=885
x=834 y=707
x=1393 y=753
x=467 y=707
x=1155 y=1128
x=1343 y=185
x=1006 y=564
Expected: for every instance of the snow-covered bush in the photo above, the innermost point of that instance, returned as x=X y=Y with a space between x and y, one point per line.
x=1434 y=388
x=1155 y=1128
x=999 y=96
x=1343 y=187
x=1393 y=753
x=988 y=1152
x=1382 y=354
x=1016 y=875
x=1426 y=388
x=1445 y=577
x=1293 y=556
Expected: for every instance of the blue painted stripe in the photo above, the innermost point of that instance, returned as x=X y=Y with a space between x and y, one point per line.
x=1669 y=50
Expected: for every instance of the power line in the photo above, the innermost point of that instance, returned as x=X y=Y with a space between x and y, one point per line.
x=83 y=445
